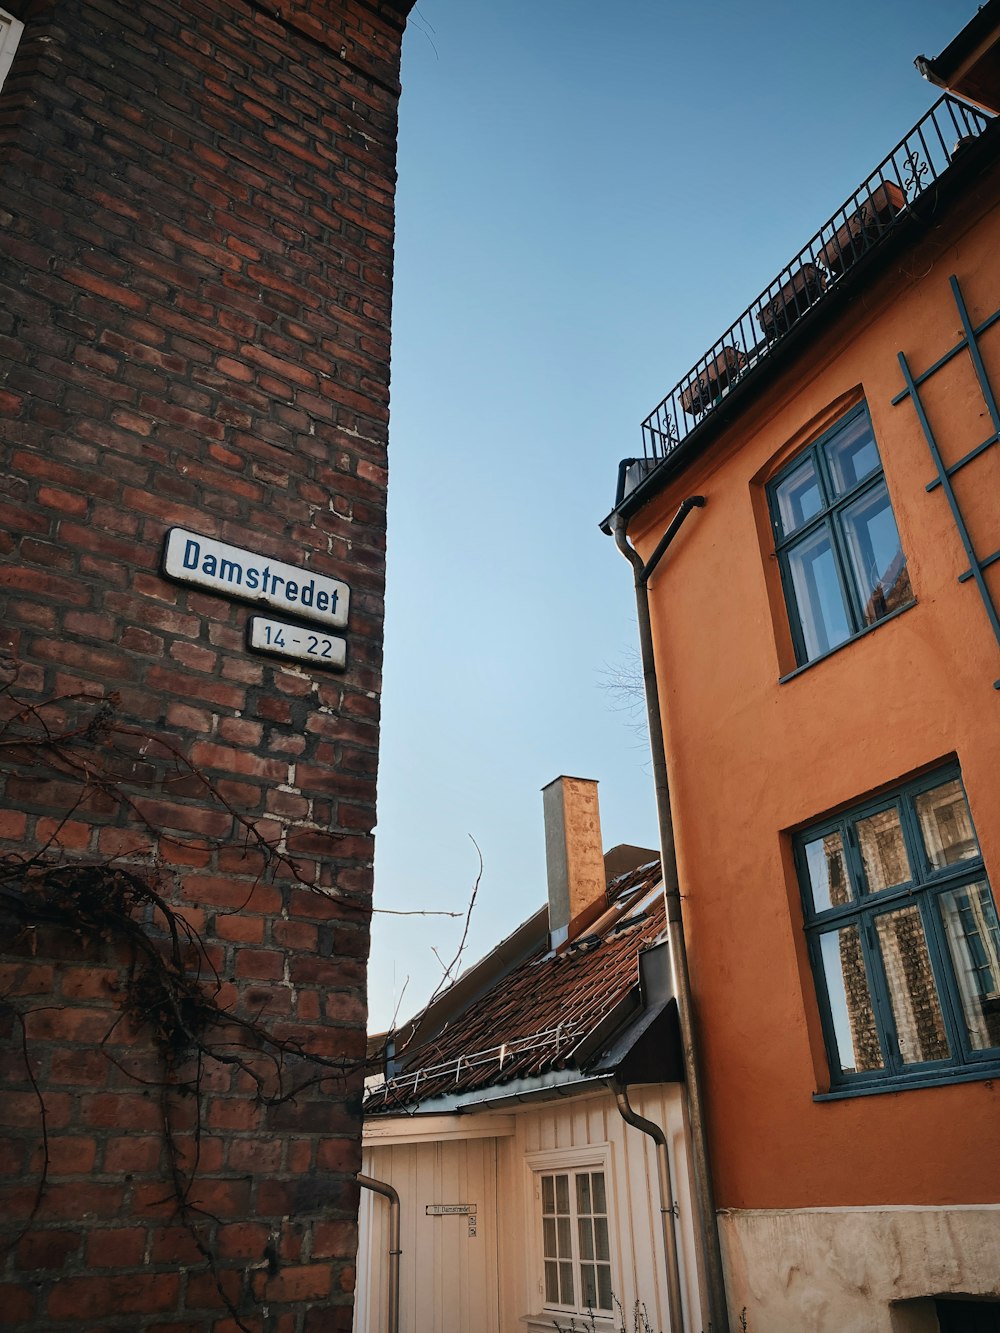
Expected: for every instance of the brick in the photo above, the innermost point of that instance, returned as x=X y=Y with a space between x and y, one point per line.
x=308 y=1282
x=47 y=1249
x=115 y=1247
x=107 y=1296
x=243 y=1240
x=70 y=1155
x=194 y=332
x=133 y=1153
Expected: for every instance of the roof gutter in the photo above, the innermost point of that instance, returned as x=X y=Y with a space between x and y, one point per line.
x=708 y=1228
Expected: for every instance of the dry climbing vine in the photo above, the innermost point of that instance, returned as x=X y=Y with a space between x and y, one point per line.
x=170 y=990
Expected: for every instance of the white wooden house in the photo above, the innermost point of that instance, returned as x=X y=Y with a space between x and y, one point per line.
x=525 y=1199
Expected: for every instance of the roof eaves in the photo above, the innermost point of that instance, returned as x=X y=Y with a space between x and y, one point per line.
x=943 y=69
x=553 y=1083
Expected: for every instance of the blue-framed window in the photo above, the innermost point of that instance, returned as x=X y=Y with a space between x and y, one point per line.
x=842 y=566
x=903 y=938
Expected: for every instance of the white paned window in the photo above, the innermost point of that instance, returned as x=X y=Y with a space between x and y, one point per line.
x=10 y=34
x=574 y=1238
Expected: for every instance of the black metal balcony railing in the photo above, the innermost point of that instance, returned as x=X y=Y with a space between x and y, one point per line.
x=875 y=208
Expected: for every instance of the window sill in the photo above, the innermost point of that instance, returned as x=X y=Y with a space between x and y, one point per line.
x=868 y=629
x=548 y=1320
x=966 y=1074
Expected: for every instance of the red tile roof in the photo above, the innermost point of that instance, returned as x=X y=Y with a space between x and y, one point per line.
x=534 y=1018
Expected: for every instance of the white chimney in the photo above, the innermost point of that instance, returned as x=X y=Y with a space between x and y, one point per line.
x=574 y=857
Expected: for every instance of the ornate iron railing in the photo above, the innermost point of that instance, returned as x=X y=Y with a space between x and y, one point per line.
x=879 y=205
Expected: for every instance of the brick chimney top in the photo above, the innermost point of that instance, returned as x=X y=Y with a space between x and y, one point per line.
x=573 y=855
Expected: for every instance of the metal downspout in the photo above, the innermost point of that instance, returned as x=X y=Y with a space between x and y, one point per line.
x=632 y=1117
x=711 y=1248
x=387 y=1192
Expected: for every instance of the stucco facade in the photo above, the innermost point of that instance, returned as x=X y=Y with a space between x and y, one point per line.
x=841 y=1193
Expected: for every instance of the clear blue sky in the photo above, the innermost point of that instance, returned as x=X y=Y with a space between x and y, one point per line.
x=589 y=193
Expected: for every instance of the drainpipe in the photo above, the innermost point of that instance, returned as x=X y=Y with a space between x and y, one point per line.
x=718 y=1314
x=387 y=1192
x=631 y=1117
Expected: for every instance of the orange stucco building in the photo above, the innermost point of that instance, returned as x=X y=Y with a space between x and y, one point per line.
x=827 y=653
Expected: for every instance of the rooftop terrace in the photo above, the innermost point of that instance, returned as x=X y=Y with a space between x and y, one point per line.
x=880 y=205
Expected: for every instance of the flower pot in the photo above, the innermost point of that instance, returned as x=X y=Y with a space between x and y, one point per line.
x=699 y=396
x=862 y=227
x=794 y=298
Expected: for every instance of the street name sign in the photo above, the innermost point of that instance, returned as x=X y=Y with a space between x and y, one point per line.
x=216 y=566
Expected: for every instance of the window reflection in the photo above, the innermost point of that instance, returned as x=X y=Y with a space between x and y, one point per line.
x=818 y=594
x=799 y=497
x=973 y=935
x=883 y=850
x=946 y=825
x=855 y=1031
x=876 y=556
x=916 y=1010
x=842 y=564
x=828 y=878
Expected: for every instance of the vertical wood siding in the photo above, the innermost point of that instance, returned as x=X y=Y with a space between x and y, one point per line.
x=448 y=1279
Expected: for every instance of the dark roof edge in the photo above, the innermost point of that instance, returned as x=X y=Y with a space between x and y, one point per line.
x=922 y=214
x=941 y=69
x=539 y=1087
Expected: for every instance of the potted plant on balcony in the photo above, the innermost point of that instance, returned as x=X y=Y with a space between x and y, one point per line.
x=702 y=392
x=794 y=298
x=865 y=224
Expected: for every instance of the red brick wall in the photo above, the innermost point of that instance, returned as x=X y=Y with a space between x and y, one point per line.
x=196 y=204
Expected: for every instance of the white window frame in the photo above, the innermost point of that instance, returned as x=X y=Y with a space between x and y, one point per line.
x=594 y=1157
x=10 y=34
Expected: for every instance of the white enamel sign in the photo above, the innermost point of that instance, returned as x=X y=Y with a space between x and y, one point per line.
x=305 y=645
x=190 y=558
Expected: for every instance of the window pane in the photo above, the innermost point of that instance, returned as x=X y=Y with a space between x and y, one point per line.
x=585 y=1227
x=597 y=1180
x=877 y=559
x=588 y=1276
x=604 y=1286
x=852 y=455
x=883 y=850
x=562 y=1194
x=548 y=1195
x=854 y=1029
x=583 y=1193
x=916 y=1009
x=549 y=1238
x=822 y=612
x=798 y=497
x=946 y=825
x=563 y=1242
x=552 y=1283
x=601 y=1238
x=973 y=935
x=828 y=878
x=566 y=1283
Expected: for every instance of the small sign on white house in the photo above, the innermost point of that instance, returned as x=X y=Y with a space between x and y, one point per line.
x=285 y=640
x=204 y=562
x=449 y=1209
